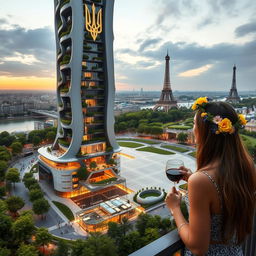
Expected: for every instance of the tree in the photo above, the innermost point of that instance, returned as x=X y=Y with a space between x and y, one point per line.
x=156 y=130
x=182 y=137
x=78 y=247
x=27 y=250
x=12 y=175
x=30 y=182
x=125 y=226
x=130 y=243
x=50 y=136
x=5 y=154
x=43 y=237
x=16 y=147
x=27 y=175
x=100 y=245
x=5 y=252
x=142 y=222
x=40 y=206
x=166 y=224
x=3 y=167
x=14 y=203
x=114 y=231
x=21 y=138
x=2 y=192
x=3 y=206
x=35 y=194
x=23 y=228
x=93 y=165
x=5 y=227
x=63 y=249
x=82 y=173
x=151 y=234
x=36 y=140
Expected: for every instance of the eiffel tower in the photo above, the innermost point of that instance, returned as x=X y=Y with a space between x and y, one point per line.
x=166 y=101
x=233 y=95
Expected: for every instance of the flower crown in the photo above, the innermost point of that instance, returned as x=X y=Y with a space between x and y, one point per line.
x=219 y=124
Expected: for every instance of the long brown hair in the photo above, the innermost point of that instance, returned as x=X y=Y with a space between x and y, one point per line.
x=236 y=173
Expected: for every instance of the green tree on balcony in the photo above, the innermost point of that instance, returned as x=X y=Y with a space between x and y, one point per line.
x=82 y=173
x=93 y=165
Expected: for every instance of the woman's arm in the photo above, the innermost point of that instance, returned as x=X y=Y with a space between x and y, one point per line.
x=196 y=233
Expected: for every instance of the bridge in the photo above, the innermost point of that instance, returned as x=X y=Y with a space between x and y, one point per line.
x=52 y=114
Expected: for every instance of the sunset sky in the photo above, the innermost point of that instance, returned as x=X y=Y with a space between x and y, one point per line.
x=204 y=39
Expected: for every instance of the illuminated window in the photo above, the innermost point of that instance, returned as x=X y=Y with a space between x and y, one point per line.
x=92 y=84
x=87 y=74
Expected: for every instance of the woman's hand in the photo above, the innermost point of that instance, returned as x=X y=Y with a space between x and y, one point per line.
x=185 y=172
x=173 y=199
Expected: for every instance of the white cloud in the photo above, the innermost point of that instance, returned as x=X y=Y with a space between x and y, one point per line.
x=196 y=71
x=27 y=59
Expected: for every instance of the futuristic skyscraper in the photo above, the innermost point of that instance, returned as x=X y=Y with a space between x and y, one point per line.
x=84 y=155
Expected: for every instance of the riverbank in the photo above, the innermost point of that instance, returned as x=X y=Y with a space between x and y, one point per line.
x=27 y=117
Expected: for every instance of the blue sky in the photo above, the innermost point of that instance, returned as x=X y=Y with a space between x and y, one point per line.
x=204 y=38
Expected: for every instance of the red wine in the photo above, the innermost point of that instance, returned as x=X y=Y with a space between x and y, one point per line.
x=174 y=175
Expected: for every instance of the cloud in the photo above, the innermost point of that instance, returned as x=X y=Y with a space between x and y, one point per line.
x=26 y=52
x=188 y=62
x=176 y=9
x=246 y=29
x=195 y=72
x=149 y=42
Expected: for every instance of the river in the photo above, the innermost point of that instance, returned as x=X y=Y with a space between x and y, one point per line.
x=18 y=125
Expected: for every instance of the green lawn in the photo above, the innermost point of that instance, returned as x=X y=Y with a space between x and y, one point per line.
x=192 y=154
x=180 y=127
x=149 y=194
x=175 y=148
x=155 y=150
x=105 y=181
x=248 y=138
x=130 y=144
x=65 y=210
x=140 y=140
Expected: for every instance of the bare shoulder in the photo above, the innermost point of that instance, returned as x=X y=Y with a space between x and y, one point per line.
x=199 y=181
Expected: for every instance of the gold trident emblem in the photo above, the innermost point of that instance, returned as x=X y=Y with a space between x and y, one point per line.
x=90 y=24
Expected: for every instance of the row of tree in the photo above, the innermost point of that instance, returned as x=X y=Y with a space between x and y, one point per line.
x=15 y=142
x=36 y=196
x=144 y=119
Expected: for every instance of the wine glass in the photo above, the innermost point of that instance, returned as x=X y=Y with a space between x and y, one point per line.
x=172 y=170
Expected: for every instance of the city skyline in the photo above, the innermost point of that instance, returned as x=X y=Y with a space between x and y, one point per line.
x=204 y=41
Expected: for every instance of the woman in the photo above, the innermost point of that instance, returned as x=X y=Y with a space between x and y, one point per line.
x=221 y=193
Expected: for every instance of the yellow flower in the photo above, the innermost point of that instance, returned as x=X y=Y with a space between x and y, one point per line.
x=203 y=114
x=199 y=101
x=242 y=119
x=225 y=125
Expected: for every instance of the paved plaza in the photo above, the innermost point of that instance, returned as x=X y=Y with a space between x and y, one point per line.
x=148 y=169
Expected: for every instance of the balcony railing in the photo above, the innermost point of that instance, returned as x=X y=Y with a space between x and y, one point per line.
x=171 y=244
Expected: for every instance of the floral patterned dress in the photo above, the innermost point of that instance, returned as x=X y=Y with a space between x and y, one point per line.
x=230 y=249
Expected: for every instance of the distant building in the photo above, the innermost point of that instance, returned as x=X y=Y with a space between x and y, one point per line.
x=167 y=100
x=233 y=95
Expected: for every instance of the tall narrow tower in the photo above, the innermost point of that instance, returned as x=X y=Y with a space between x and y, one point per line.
x=233 y=95
x=167 y=100
x=83 y=158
